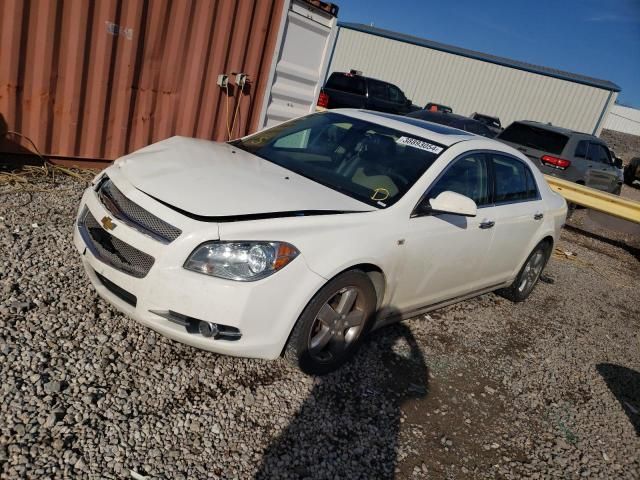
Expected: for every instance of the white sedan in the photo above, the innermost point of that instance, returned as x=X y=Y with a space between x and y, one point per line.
x=301 y=238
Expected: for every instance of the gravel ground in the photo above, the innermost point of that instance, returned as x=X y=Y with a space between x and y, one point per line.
x=482 y=389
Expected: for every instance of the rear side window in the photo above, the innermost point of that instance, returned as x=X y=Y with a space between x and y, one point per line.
x=513 y=180
x=395 y=95
x=535 y=137
x=581 y=149
x=466 y=176
x=378 y=90
x=478 y=128
x=346 y=83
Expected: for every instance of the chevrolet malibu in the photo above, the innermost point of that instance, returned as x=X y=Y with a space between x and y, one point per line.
x=300 y=239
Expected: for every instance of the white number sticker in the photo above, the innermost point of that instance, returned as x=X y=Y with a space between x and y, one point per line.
x=422 y=145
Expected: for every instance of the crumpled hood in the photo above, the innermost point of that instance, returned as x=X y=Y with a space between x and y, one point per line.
x=213 y=179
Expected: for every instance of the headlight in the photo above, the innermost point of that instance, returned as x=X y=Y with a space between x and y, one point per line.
x=244 y=261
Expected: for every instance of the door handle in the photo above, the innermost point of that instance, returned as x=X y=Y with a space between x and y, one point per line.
x=538 y=216
x=487 y=224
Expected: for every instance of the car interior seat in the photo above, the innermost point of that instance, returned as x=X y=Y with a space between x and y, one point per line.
x=374 y=159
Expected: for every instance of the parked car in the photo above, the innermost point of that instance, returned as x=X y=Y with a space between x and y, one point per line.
x=456 y=121
x=574 y=156
x=301 y=238
x=437 y=107
x=632 y=171
x=353 y=90
x=493 y=123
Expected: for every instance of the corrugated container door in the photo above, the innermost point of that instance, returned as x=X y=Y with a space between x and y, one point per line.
x=307 y=41
x=96 y=79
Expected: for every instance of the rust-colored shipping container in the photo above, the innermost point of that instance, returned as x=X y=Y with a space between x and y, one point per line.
x=95 y=79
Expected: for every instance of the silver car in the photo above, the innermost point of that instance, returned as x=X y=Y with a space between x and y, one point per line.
x=574 y=156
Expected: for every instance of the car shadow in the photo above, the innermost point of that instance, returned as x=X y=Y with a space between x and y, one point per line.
x=624 y=383
x=613 y=242
x=349 y=425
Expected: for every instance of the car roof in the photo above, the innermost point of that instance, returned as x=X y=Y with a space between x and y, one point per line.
x=554 y=128
x=485 y=115
x=453 y=116
x=357 y=75
x=436 y=132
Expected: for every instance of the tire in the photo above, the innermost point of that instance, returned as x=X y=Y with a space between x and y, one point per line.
x=530 y=273
x=333 y=324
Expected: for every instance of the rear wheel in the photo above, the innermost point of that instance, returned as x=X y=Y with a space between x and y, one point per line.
x=332 y=326
x=529 y=274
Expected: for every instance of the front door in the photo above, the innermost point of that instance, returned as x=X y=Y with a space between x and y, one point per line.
x=602 y=173
x=446 y=254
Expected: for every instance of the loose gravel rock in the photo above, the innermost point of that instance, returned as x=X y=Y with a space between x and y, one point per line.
x=482 y=389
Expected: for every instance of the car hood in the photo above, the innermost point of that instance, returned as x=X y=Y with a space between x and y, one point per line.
x=211 y=179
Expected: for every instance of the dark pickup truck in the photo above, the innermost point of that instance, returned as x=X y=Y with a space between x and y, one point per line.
x=352 y=90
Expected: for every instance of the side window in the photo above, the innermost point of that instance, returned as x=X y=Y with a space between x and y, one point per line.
x=378 y=90
x=602 y=154
x=485 y=132
x=395 y=95
x=513 y=180
x=581 y=149
x=471 y=127
x=295 y=140
x=597 y=153
x=466 y=176
x=317 y=140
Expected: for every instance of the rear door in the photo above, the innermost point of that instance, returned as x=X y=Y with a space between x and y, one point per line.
x=517 y=212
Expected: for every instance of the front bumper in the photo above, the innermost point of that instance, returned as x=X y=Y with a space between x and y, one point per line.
x=263 y=311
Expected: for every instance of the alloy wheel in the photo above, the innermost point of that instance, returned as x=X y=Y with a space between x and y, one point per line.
x=337 y=325
x=532 y=271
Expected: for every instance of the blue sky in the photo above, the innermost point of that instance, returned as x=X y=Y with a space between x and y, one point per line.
x=599 y=38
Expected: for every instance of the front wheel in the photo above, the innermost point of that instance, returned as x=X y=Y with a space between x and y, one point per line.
x=331 y=327
x=529 y=274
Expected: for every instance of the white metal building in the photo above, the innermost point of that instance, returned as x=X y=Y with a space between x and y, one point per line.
x=623 y=119
x=470 y=81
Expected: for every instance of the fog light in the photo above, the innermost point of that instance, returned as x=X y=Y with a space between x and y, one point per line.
x=207 y=329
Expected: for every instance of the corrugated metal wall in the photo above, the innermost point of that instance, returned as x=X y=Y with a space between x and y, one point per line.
x=101 y=78
x=623 y=119
x=469 y=85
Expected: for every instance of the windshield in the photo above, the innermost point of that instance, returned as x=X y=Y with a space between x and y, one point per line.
x=371 y=163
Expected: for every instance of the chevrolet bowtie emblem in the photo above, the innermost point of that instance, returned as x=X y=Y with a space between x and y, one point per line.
x=107 y=223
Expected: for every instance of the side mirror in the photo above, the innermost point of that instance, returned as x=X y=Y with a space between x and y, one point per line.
x=407 y=102
x=617 y=162
x=454 y=204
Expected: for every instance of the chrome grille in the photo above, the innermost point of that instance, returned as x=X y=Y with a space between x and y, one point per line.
x=112 y=251
x=134 y=215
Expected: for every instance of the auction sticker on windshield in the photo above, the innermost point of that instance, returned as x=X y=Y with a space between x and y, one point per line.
x=421 y=144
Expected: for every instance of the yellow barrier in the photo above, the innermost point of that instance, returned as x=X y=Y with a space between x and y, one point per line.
x=596 y=199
